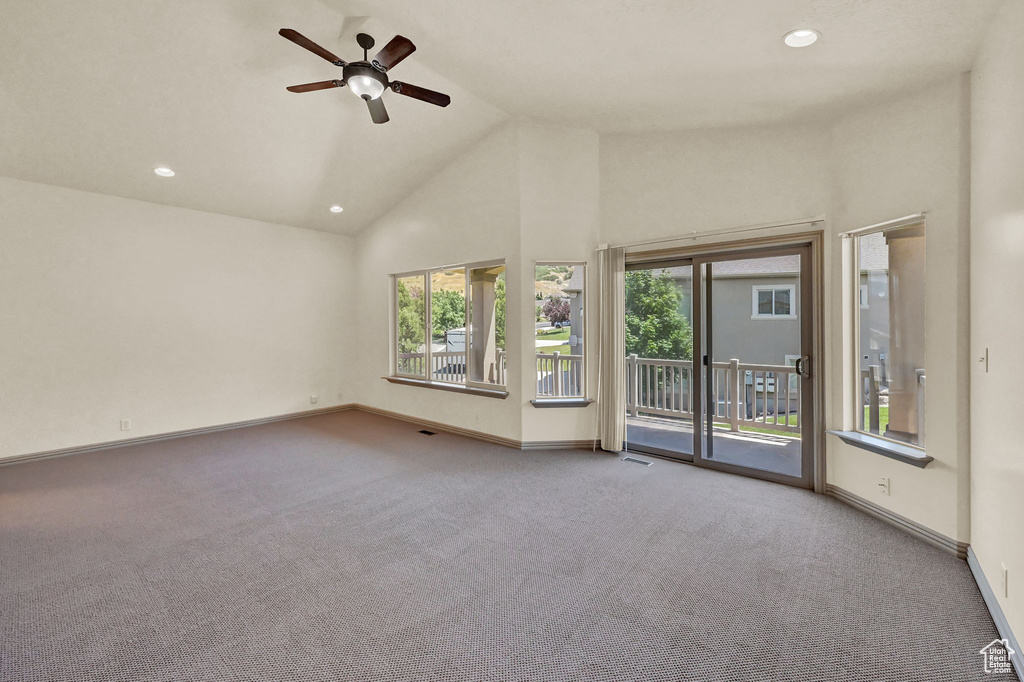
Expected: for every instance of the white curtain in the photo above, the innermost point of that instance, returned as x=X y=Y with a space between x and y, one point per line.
x=611 y=376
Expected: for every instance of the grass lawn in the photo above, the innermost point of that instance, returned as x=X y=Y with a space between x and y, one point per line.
x=549 y=350
x=883 y=418
x=790 y=420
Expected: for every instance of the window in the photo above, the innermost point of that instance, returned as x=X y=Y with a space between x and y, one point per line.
x=774 y=302
x=450 y=325
x=412 y=322
x=560 y=292
x=890 y=327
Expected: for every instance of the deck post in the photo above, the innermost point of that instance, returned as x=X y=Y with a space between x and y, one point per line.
x=734 y=394
x=556 y=374
x=633 y=384
x=921 y=392
x=873 y=399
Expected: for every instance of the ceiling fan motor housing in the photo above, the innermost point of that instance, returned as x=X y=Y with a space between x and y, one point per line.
x=361 y=78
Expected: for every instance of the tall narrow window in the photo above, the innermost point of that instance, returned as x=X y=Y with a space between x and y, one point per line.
x=560 y=292
x=448 y=325
x=890 y=339
x=410 y=293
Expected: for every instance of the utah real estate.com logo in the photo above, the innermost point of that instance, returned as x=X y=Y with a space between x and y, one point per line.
x=997 y=656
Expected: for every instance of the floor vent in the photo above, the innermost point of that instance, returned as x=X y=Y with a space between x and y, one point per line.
x=637 y=461
x=428 y=433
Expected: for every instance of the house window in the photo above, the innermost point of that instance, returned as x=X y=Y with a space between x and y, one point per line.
x=773 y=302
x=890 y=333
x=450 y=325
x=560 y=299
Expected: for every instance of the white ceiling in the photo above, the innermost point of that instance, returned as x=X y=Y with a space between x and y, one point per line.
x=94 y=94
x=617 y=65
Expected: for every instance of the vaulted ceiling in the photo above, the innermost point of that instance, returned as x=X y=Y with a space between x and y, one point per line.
x=94 y=95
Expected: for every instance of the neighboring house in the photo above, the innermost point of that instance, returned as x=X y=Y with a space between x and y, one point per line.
x=756 y=302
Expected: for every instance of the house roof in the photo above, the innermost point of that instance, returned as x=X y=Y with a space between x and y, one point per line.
x=574 y=283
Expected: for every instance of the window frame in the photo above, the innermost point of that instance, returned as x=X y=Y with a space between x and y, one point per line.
x=859 y=428
x=583 y=397
x=757 y=288
x=427 y=378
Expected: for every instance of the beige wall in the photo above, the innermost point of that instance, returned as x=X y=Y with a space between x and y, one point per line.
x=176 y=319
x=559 y=189
x=997 y=308
x=672 y=183
x=891 y=160
x=468 y=212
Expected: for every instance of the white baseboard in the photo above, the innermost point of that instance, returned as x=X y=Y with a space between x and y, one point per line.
x=1002 y=625
x=481 y=435
x=81 y=449
x=943 y=542
x=426 y=423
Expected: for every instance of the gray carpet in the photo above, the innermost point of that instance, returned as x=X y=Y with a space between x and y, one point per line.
x=350 y=547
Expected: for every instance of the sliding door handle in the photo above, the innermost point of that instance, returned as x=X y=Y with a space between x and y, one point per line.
x=803 y=367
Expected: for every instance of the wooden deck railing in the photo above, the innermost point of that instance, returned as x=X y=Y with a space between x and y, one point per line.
x=871 y=387
x=743 y=394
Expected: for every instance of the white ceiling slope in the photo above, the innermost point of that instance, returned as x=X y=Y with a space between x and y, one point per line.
x=630 y=65
x=94 y=95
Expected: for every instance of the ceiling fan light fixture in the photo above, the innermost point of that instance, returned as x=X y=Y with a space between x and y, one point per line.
x=366 y=87
x=801 y=37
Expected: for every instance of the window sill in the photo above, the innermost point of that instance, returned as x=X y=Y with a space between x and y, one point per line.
x=880 y=446
x=454 y=388
x=560 y=402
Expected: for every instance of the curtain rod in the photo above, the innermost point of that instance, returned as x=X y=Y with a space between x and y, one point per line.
x=732 y=230
x=887 y=225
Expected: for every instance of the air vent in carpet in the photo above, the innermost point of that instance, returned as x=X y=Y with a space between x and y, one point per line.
x=428 y=433
x=637 y=461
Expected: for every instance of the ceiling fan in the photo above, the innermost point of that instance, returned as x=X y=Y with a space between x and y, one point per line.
x=368 y=78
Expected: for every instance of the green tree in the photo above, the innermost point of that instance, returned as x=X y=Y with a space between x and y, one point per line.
x=410 y=319
x=655 y=326
x=447 y=311
x=499 y=311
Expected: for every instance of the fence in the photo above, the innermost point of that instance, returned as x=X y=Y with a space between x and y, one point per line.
x=743 y=394
x=871 y=389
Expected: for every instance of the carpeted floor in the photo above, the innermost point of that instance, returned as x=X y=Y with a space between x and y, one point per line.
x=350 y=547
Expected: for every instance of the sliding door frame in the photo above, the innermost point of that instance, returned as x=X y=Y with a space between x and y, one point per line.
x=703 y=349
x=812 y=289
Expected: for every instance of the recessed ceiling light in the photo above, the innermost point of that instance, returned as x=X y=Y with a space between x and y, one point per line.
x=802 y=37
x=164 y=172
x=336 y=209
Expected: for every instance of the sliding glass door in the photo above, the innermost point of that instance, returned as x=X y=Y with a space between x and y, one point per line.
x=659 y=359
x=718 y=362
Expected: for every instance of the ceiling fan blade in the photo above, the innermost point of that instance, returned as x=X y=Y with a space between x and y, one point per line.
x=303 y=41
x=310 y=87
x=398 y=49
x=416 y=92
x=378 y=112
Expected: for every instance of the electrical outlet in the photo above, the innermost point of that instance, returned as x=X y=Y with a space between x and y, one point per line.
x=1004 y=575
x=126 y=424
x=883 y=485
x=313 y=398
